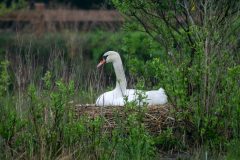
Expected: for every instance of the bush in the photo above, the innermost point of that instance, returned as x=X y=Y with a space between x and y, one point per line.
x=48 y=128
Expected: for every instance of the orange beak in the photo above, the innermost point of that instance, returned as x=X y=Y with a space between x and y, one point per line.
x=101 y=63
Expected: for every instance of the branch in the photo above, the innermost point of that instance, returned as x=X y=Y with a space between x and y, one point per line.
x=187 y=11
x=148 y=32
x=143 y=24
x=176 y=18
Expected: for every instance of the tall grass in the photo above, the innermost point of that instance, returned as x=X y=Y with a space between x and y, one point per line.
x=48 y=128
x=43 y=77
x=41 y=80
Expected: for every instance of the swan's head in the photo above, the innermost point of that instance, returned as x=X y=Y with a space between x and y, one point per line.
x=109 y=57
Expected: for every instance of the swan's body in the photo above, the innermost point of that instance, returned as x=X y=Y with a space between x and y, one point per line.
x=113 y=98
x=120 y=94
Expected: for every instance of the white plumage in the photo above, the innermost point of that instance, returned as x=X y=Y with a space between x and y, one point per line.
x=118 y=96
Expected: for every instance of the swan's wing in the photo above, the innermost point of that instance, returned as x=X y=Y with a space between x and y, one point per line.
x=130 y=94
x=109 y=99
x=156 y=97
x=133 y=95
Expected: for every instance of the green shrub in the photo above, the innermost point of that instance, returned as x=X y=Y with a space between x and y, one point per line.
x=233 y=150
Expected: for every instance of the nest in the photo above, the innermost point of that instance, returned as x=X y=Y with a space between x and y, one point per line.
x=155 y=117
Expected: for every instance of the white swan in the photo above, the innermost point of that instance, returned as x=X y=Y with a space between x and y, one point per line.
x=116 y=96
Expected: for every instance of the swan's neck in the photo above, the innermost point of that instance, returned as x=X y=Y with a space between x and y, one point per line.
x=121 y=83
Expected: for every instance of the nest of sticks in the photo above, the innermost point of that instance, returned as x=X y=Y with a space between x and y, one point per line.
x=155 y=117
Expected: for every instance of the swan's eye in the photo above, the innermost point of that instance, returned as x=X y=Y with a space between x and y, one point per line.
x=105 y=57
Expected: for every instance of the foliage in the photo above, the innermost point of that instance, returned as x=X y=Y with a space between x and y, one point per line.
x=19 y=4
x=10 y=123
x=190 y=48
x=233 y=150
x=146 y=64
x=48 y=128
x=199 y=60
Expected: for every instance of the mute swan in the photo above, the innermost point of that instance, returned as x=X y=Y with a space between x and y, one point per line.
x=116 y=96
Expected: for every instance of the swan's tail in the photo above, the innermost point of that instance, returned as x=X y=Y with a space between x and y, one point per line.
x=161 y=90
x=164 y=97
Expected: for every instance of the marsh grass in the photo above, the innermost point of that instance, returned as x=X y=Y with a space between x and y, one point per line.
x=38 y=91
x=48 y=128
x=43 y=77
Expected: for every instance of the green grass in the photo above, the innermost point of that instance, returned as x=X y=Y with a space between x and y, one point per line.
x=43 y=76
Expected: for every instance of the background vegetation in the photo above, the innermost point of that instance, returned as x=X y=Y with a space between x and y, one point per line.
x=190 y=48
